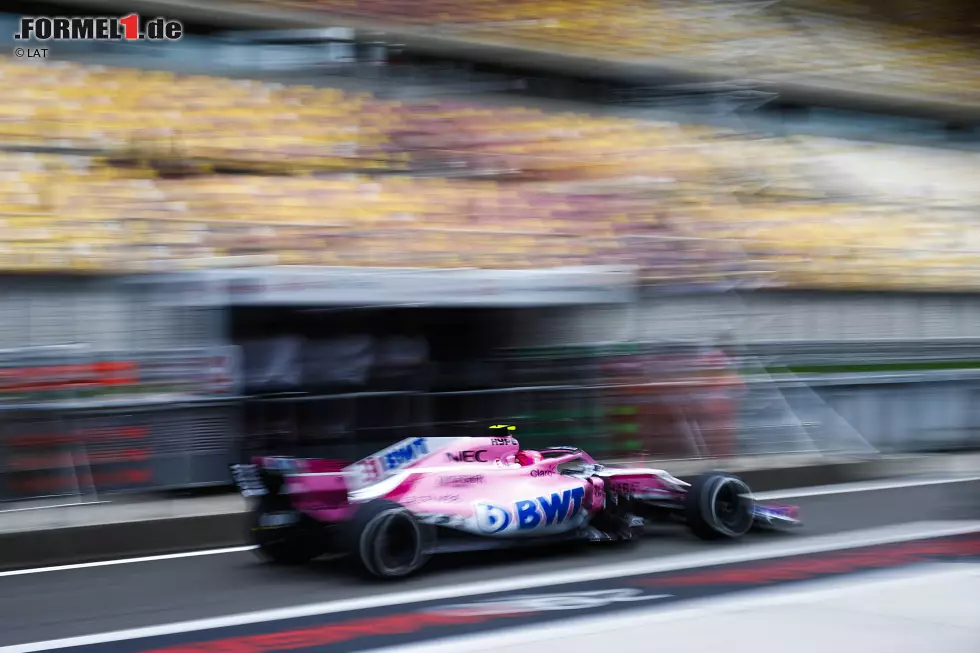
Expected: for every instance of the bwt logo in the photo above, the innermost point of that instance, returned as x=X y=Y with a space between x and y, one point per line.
x=98 y=28
x=530 y=514
x=479 y=456
x=405 y=454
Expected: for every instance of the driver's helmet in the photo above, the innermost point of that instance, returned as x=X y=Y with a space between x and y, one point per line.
x=528 y=457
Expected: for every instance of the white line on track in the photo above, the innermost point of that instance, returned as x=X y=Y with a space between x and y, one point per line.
x=870 y=537
x=864 y=486
x=57 y=505
x=552 y=635
x=124 y=561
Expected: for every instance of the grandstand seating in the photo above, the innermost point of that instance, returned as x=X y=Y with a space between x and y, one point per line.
x=153 y=112
x=779 y=39
x=444 y=184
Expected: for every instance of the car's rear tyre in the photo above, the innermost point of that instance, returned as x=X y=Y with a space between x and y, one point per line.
x=283 y=535
x=719 y=506
x=387 y=540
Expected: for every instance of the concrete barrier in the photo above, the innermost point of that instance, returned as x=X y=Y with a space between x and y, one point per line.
x=75 y=544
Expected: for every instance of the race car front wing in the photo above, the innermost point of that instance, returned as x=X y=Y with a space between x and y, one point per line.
x=775 y=517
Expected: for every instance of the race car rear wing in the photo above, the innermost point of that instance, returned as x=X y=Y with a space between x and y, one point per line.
x=284 y=475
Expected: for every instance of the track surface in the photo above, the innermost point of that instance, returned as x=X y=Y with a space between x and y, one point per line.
x=76 y=602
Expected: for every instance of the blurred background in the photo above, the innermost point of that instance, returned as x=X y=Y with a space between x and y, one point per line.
x=652 y=229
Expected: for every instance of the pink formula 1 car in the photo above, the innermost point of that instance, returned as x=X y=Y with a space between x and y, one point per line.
x=391 y=511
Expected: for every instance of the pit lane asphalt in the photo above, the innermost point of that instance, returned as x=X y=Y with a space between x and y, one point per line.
x=45 y=606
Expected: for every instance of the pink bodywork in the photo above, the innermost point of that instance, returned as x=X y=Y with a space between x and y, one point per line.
x=471 y=484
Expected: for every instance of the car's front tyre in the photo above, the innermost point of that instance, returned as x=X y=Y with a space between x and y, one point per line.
x=719 y=506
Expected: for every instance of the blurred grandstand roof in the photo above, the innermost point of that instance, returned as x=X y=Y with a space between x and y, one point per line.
x=891 y=68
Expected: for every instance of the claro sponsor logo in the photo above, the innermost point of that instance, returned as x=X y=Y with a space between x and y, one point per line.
x=479 y=456
x=456 y=481
x=542 y=472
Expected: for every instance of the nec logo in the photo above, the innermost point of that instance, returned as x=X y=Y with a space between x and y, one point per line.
x=479 y=456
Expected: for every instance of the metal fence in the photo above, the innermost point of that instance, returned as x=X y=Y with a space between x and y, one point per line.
x=667 y=420
x=79 y=374
x=606 y=405
x=61 y=450
x=75 y=421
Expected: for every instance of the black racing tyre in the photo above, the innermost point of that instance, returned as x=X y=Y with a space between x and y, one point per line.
x=283 y=535
x=719 y=506
x=386 y=540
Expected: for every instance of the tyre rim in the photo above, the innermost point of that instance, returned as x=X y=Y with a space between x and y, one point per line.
x=730 y=508
x=398 y=544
